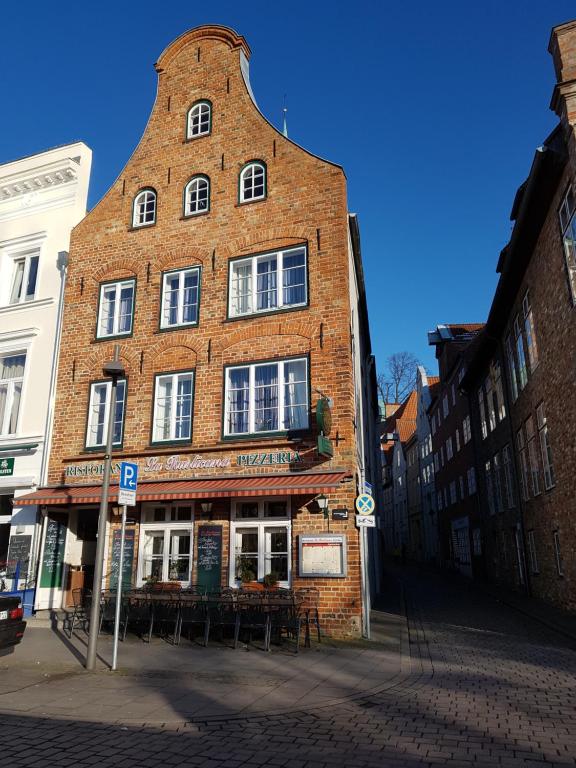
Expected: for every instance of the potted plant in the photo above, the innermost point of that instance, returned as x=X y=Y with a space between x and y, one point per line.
x=271 y=580
x=248 y=577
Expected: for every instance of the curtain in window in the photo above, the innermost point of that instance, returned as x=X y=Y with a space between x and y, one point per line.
x=266 y=284
x=119 y=415
x=163 y=407
x=294 y=278
x=12 y=367
x=295 y=395
x=125 y=320
x=238 y=400
x=265 y=398
x=190 y=309
x=98 y=415
x=17 y=282
x=183 y=407
x=242 y=289
x=108 y=310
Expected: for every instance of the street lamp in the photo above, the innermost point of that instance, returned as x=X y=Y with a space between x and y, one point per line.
x=322 y=502
x=114 y=370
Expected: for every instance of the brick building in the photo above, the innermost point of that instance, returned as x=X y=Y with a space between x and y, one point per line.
x=529 y=332
x=225 y=264
x=459 y=518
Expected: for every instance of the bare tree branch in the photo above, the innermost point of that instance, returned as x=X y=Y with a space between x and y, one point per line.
x=399 y=377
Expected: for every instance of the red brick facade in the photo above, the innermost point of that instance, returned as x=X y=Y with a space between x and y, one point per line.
x=305 y=204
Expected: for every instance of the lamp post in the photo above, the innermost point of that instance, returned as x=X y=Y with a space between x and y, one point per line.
x=114 y=370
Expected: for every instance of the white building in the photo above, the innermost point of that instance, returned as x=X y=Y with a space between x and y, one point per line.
x=42 y=197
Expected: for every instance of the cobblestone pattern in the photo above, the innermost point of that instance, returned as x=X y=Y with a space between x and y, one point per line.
x=488 y=688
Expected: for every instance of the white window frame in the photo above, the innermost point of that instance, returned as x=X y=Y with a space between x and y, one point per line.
x=483 y=424
x=568 y=228
x=511 y=368
x=533 y=456
x=530 y=332
x=180 y=323
x=139 y=208
x=11 y=383
x=196 y=181
x=203 y=108
x=175 y=376
x=116 y=319
x=252 y=166
x=253 y=262
x=558 y=553
x=167 y=527
x=26 y=257
x=522 y=369
x=92 y=391
x=545 y=449
x=532 y=552
x=12 y=251
x=252 y=392
x=261 y=523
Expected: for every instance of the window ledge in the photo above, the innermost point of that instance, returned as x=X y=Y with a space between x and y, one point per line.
x=188 y=216
x=36 y=304
x=140 y=227
x=267 y=313
x=242 y=203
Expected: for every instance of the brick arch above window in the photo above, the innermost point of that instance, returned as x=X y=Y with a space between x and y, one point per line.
x=171 y=354
x=268 y=334
x=265 y=239
x=92 y=365
x=119 y=269
x=187 y=256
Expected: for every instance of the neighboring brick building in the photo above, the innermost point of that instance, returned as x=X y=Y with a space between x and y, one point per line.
x=224 y=262
x=426 y=387
x=459 y=531
x=530 y=327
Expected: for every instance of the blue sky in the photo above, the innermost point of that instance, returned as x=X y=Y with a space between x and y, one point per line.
x=434 y=110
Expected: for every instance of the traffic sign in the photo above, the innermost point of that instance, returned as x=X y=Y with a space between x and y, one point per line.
x=364 y=504
x=365 y=521
x=367 y=488
x=128 y=483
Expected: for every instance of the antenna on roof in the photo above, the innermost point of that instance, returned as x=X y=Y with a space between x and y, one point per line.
x=284 y=120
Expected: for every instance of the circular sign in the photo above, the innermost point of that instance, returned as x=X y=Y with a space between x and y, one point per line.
x=364 y=504
x=324 y=415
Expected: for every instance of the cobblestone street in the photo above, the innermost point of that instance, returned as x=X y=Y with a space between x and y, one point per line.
x=487 y=686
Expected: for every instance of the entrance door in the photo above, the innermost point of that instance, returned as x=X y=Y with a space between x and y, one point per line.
x=51 y=577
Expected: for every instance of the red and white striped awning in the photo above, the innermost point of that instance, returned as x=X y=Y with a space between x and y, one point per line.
x=198 y=488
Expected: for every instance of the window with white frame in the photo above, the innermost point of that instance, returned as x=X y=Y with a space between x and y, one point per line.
x=144 y=209
x=197 y=196
x=166 y=543
x=496 y=373
x=199 y=121
x=568 y=227
x=173 y=406
x=558 y=554
x=466 y=430
x=523 y=456
x=508 y=487
x=98 y=410
x=529 y=331
x=253 y=182
x=267 y=282
x=520 y=356
x=24 y=276
x=260 y=532
x=116 y=308
x=11 y=380
x=490 y=402
x=533 y=455
x=511 y=368
x=266 y=397
x=180 y=297
x=471 y=477
x=532 y=552
x=545 y=450
x=482 y=410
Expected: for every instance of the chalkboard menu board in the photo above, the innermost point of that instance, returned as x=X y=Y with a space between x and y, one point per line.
x=210 y=557
x=53 y=559
x=19 y=553
x=129 y=537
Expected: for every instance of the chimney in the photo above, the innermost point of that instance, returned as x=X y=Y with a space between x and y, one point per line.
x=562 y=47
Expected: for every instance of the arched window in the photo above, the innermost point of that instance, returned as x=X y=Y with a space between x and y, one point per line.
x=199 y=119
x=144 y=211
x=197 y=196
x=253 y=182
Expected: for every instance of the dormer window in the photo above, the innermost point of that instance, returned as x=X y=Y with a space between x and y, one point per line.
x=199 y=120
x=197 y=196
x=144 y=211
x=253 y=182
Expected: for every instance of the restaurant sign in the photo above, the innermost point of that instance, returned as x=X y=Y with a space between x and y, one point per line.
x=6 y=467
x=176 y=463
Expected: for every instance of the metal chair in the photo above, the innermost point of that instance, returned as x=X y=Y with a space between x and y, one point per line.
x=253 y=615
x=165 y=611
x=80 y=614
x=139 y=614
x=222 y=611
x=309 y=598
x=285 y=616
x=193 y=609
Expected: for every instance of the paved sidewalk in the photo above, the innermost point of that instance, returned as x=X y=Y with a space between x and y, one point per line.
x=161 y=683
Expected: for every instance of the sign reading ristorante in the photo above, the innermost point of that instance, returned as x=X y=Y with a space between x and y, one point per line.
x=185 y=464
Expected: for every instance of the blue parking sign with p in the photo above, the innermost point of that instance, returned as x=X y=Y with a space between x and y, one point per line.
x=128 y=476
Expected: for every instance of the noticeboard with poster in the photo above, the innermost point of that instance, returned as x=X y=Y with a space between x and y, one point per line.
x=322 y=554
